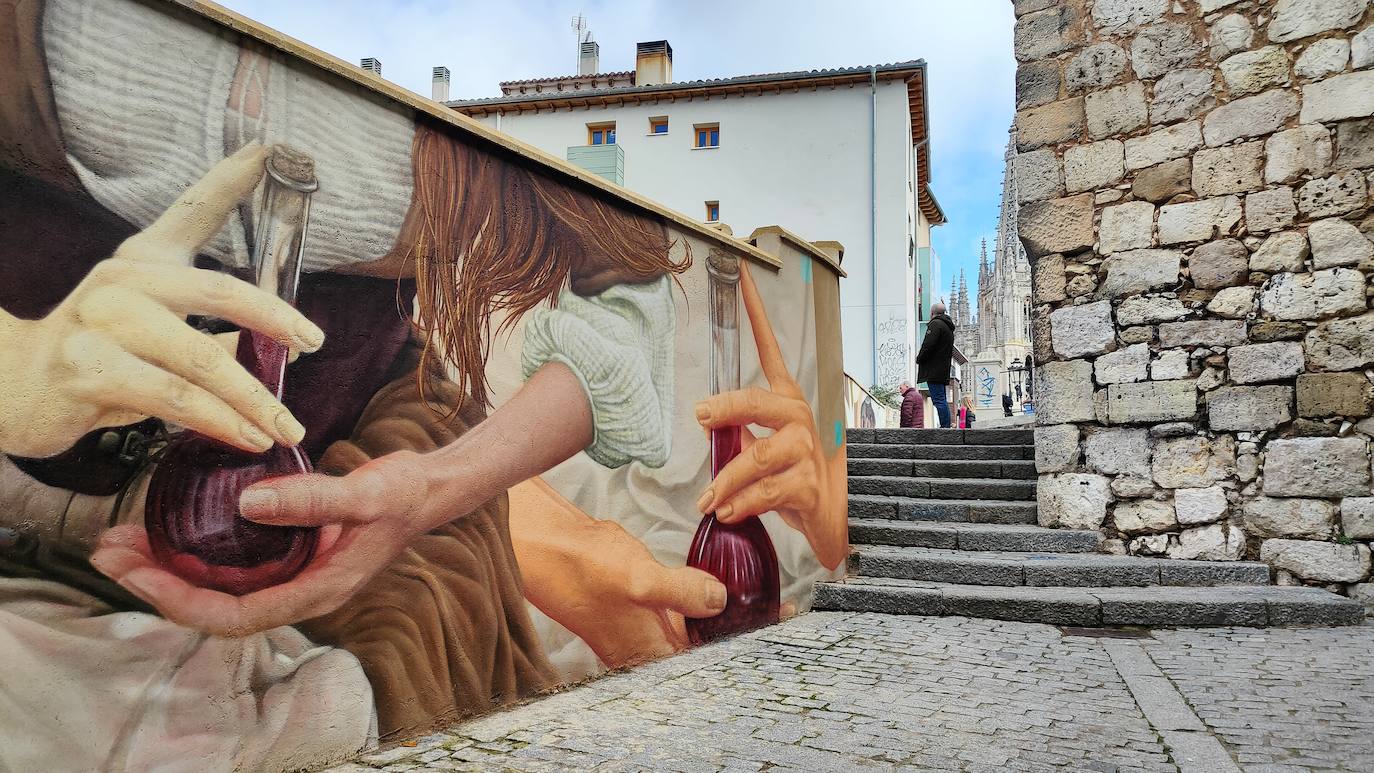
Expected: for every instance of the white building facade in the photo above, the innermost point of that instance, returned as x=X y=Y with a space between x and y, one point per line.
x=834 y=155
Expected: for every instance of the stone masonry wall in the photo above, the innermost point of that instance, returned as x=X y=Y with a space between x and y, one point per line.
x=1195 y=191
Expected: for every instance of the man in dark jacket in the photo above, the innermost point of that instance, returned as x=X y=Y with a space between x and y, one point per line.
x=934 y=361
x=1006 y=403
x=913 y=406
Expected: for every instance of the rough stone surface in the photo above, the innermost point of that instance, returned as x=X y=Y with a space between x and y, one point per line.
x=1221 y=263
x=1072 y=500
x=1318 y=295
x=1098 y=65
x=1281 y=252
x=1258 y=363
x=1334 y=195
x=1194 y=506
x=1047 y=279
x=1144 y=309
x=1302 y=150
x=1118 y=451
x=1136 y=271
x=1163 y=145
x=1160 y=182
x=1317 y=561
x=1357 y=517
x=1042 y=34
x=1130 y=487
x=1249 y=409
x=1253 y=116
x=1321 y=395
x=1270 y=210
x=1317 y=467
x=1341 y=344
x=1037 y=83
x=1118 y=16
x=1295 y=19
x=1160 y=48
x=1182 y=94
x=1057 y=225
x=1084 y=330
x=1094 y=165
x=1038 y=176
x=1232 y=169
x=1056 y=447
x=1251 y=72
x=1335 y=242
x=1264 y=332
x=1064 y=391
x=1350 y=95
x=1128 y=226
x=1151 y=401
x=1297 y=518
x=1209 y=332
x=1234 y=302
x=1354 y=144
x=1362 y=48
x=1230 y=33
x=1197 y=221
x=1217 y=542
x=1123 y=366
x=1170 y=365
x=1049 y=124
x=1192 y=462
x=1322 y=58
x=1116 y=110
x=1143 y=516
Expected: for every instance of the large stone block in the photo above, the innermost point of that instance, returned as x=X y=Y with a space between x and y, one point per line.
x=1234 y=302
x=1270 y=210
x=1049 y=124
x=1317 y=467
x=1056 y=447
x=1072 y=500
x=1118 y=110
x=1047 y=279
x=1181 y=95
x=1362 y=49
x=1146 y=309
x=1232 y=169
x=1159 y=48
x=1198 y=221
x=1195 y=506
x=1124 y=365
x=1037 y=83
x=1341 y=344
x=1084 y=330
x=1202 y=332
x=1322 y=58
x=1258 y=363
x=1251 y=72
x=1253 y=116
x=1044 y=33
x=1217 y=542
x=1163 y=181
x=1064 y=391
x=1118 y=451
x=1193 y=461
x=1342 y=96
x=1318 y=295
x=1057 y=225
x=1098 y=65
x=1334 y=195
x=1129 y=226
x=1170 y=365
x=1304 y=518
x=1354 y=144
x=1249 y=409
x=1230 y=33
x=1143 y=516
x=1337 y=243
x=1151 y=402
x=1037 y=176
x=1282 y=252
x=1357 y=517
x=1292 y=153
x=1221 y=263
x=1294 y=19
x=1114 y=17
x=1163 y=145
x=1317 y=561
x=1092 y=166
x=1335 y=394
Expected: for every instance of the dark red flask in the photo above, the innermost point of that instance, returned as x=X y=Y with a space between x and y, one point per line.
x=740 y=555
x=192 y=510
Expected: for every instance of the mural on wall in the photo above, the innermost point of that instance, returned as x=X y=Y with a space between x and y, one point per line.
x=325 y=420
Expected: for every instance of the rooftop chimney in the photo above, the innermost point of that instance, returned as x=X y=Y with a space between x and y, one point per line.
x=653 y=63
x=589 y=57
x=439 y=90
x=373 y=66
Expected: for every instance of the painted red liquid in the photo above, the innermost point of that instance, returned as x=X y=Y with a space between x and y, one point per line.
x=740 y=555
x=192 y=511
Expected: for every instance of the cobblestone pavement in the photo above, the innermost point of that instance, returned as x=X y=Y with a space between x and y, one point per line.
x=866 y=692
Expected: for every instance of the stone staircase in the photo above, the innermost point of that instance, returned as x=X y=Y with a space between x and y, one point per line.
x=943 y=522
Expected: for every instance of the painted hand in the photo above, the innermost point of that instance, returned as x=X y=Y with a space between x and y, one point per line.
x=786 y=471
x=118 y=349
x=368 y=518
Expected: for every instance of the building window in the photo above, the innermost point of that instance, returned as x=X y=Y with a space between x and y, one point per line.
x=601 y=134
x=658 y=125
x=713 y=211
x=708 y=135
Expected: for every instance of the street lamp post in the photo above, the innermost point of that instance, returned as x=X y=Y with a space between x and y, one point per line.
x=1017 y=371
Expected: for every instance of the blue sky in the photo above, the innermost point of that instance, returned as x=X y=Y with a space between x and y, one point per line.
x=967 y=46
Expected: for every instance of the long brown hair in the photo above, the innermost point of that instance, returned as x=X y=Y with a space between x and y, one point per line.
x=489 y=234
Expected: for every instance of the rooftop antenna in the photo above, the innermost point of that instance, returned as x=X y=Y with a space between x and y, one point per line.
x=579 y=26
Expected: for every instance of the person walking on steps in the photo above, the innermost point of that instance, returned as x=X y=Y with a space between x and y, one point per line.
x=913 y=406
x=934 y=361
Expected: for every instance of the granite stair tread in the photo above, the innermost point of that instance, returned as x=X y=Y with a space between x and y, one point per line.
x=1016 y=469
x=928 y=451
x=943 y=488
x=970 y=536
x=941 y=510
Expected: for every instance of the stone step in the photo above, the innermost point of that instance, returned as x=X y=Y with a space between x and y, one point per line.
x=971 y=536
x=1078 y=570
x=944 y=488
x=1156 y=606
x=944 y=468
x=941 y=511
x=946 y=452
x=928 y=436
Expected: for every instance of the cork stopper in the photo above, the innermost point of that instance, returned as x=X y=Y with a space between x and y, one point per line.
x=292 y=168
